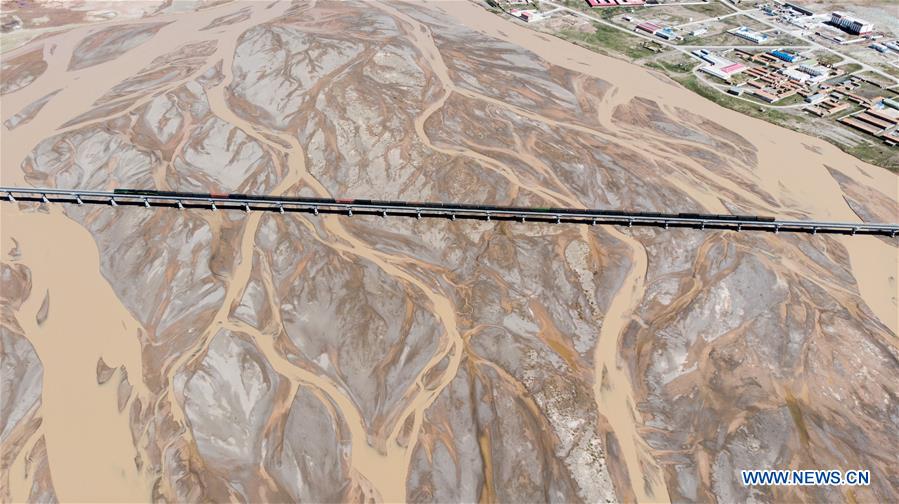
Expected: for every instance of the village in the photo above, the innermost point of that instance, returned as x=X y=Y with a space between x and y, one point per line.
x=831 y=73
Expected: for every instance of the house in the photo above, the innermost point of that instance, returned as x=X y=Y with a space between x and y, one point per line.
x=601 y=3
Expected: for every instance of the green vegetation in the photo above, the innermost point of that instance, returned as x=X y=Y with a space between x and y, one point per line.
x=878 y=153
x=850 y=67
x=681 y=65
x=618 y=43
x=775 y=116
x=604 y=13
x=606 y=37
x=791 y=100
x=711 y=9
x=829 y=59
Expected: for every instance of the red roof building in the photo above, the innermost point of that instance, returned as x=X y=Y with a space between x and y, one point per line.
x=649 y=27
x=601 y=3
x=631 y=2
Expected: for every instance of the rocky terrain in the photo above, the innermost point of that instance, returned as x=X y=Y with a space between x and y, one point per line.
x=258 y=357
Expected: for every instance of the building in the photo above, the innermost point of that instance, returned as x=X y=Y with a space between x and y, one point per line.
x=528 y=16
x=815 y=98
x=850 y=24
x=813 y=68
x=601 y=3
x=718 y=66
x=631 y=2
x=879 y=48
x=518 y=2
x=785 y=56
x=800 y=9
x=795 y=75
x=648 y=27
x=735 y=90
x=666 y=33
x=699 y=31
x=752 y=36
x=765 y=95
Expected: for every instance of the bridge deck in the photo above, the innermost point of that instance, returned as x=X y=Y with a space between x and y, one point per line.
x=444 y=211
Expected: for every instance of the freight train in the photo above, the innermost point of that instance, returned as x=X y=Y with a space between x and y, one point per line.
x=435 y=206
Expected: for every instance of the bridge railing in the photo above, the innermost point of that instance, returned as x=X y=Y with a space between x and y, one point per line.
x=573 y=215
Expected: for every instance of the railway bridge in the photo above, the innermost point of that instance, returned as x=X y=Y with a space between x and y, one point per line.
x=451 y=211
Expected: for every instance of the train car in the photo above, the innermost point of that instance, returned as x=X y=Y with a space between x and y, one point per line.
x=166 y=194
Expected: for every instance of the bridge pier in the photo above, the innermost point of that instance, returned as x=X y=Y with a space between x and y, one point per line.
x=150 y=199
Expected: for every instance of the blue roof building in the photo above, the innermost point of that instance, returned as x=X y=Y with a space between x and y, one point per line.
x=785 y=56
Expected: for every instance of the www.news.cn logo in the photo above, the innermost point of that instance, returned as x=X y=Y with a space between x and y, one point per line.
x=831 y=477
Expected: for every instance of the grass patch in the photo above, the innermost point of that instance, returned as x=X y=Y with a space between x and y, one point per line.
x=850 y=67
x=829 y=59
x=791 y=100
x=680 y=66
x=711 y=9
x=879 y=154
x=609 y=38
x=775 y=116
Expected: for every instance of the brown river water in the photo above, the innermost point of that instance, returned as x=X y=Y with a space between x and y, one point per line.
x=75 y=409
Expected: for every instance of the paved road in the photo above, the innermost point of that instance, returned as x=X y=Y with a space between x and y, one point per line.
x=450 y=211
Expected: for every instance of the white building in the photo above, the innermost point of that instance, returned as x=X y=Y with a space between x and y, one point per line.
x=812 y=69
x=752 y=36
x=851 y=24
x=795 y=75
